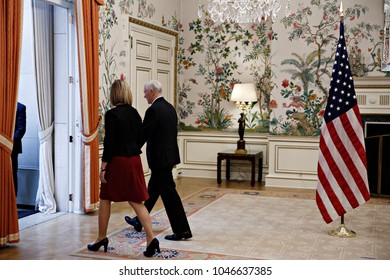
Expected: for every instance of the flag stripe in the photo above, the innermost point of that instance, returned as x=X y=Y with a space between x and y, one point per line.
x=320 y=198
x=359 y=141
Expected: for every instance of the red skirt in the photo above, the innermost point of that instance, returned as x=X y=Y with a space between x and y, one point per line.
x=125 y=180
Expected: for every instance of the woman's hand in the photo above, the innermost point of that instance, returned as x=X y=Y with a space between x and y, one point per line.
x=103 y=172
x=102 y=176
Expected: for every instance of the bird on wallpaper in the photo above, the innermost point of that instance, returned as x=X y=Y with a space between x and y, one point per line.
x=296 y=102
x=193 y=81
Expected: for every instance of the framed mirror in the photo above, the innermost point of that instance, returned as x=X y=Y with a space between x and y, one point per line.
x=386 y=43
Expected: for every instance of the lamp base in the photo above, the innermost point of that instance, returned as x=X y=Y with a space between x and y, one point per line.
x=240 y=147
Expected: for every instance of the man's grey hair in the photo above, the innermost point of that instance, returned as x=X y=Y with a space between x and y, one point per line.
x=154 y=85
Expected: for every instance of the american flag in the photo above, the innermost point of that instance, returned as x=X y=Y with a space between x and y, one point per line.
x=342 y=168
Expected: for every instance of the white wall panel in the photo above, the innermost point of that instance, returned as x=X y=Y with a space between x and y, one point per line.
x=292 y=162
x=305 y=159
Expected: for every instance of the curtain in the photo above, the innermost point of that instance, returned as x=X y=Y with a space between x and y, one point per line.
x=43 y=54
x=87 y=21
x=10 y=51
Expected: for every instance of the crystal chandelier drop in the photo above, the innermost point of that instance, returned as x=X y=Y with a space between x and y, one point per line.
x=241 y=11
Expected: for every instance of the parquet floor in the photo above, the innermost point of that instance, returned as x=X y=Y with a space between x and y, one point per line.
x=57 y=238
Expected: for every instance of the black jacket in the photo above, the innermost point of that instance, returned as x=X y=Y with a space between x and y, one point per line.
x=159 y=131
x=122 y=130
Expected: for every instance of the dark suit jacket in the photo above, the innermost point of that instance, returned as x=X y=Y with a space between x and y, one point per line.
x=159 y=131
x=20 y=128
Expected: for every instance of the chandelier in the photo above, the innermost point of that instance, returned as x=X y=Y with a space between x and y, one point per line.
x=242 y=11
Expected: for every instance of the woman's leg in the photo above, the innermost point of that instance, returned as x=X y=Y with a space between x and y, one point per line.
x=104 y=217
x=143 y=216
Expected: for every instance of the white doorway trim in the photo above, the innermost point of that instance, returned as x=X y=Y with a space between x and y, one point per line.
x=66 y=109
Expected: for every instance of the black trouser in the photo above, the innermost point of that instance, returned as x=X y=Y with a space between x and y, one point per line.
x=14 y=157
x=161 y=183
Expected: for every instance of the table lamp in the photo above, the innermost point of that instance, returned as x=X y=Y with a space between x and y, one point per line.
x=244 y=95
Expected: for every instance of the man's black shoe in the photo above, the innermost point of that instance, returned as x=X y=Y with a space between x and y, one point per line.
x=134 y=222
x=179 y=236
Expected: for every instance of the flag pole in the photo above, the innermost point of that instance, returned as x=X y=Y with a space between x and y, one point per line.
x=342 y=230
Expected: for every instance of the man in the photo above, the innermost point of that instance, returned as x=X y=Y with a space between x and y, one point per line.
x=20 y=130
x=159 y=131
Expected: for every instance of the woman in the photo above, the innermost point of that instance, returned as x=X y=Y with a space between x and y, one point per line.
x=121 y=171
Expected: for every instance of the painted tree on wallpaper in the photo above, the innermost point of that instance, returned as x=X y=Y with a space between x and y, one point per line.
x=186 y=106
x=304 y=90
x=107 y=20
x=260 y=68
x=214 y=41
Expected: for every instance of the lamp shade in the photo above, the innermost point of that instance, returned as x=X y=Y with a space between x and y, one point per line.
x=244 y=93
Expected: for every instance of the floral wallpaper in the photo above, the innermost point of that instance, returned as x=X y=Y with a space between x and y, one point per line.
x=290 y=60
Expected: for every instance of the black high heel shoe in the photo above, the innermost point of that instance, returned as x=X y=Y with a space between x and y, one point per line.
x=96 y=246
x=152 y=248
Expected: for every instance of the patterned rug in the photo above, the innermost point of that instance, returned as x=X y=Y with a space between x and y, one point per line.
x=239 y=224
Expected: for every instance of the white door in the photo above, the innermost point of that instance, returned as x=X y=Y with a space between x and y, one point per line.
x=152 y=57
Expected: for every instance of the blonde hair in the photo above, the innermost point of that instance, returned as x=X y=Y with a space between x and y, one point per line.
x=120 y=92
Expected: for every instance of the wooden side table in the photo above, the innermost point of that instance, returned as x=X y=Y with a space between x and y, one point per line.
x=252 y=157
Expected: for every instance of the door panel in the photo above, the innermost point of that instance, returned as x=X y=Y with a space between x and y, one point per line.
x=143 y=50
x=142 y=75
x=165 y=78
